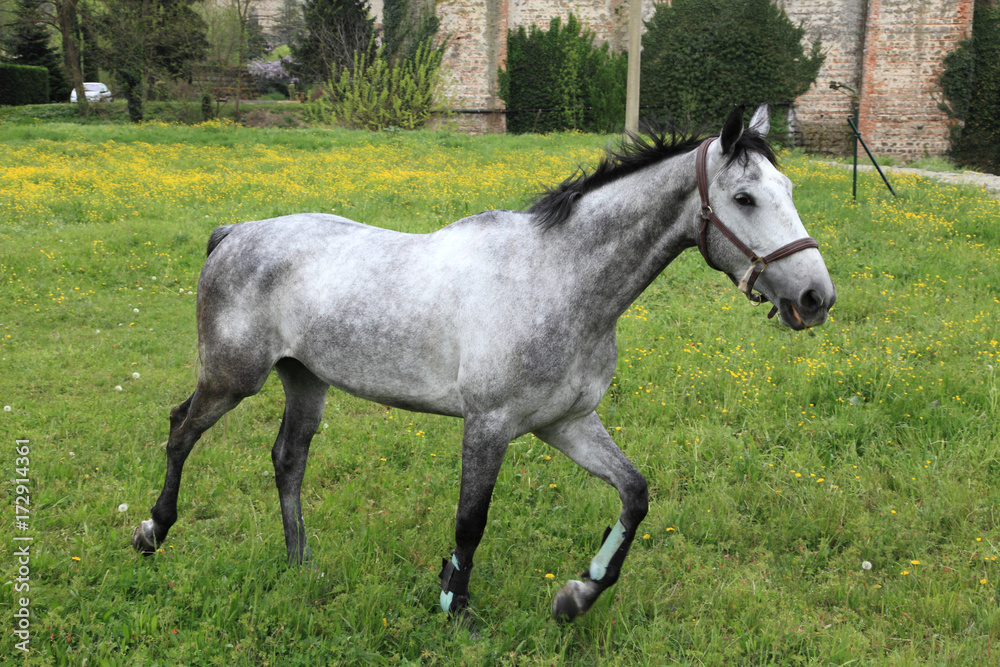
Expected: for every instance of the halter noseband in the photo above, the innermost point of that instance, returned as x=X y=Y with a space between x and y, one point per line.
x=757 y=263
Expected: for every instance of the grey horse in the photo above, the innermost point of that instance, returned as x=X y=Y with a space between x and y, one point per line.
x=505 y=319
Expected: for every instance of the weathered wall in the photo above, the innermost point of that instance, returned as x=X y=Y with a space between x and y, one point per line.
x=821 y=113
x=477 y=48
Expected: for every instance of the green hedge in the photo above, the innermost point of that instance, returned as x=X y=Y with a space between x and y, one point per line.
x=23 y=84
x=701 y=57
x=558 y=80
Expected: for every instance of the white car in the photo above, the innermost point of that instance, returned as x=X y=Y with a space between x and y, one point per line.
x=96 y=92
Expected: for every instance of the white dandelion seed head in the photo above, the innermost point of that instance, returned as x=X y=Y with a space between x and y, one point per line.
x=98 y=331
x=118 y=387
x=865 y=565
x=135 y=376
x=6 y=408
x=135 y=310
x=154 y=277
x=123 y=507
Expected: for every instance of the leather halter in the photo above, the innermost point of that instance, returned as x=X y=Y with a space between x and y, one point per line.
x=757 y=263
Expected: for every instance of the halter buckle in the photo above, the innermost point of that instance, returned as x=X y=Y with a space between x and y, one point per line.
x=706 y=211
x=753 y=272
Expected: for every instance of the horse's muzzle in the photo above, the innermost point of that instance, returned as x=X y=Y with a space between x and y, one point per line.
x=811 y=309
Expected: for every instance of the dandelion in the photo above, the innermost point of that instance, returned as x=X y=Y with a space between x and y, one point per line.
x=7 y=408
x=982 y=581
x=135 y=376
x=550 y=576
x=123 y=508
x=914 y=562
x=866 y=565
x=76 y=558
x=118 y=387
x=552 y=486
x=135 y=310
x=905 y=572
x=646 y=536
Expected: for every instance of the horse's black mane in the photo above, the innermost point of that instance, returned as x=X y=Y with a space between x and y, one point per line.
x=554 y=205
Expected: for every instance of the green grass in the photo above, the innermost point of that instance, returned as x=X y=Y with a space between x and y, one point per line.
x=778 y=461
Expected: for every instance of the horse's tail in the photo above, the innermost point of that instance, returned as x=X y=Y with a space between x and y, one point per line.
x=218 y=234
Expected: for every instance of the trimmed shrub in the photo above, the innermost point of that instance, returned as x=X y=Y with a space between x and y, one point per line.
x=556 y=79
x=701 y=57
x=23 y=84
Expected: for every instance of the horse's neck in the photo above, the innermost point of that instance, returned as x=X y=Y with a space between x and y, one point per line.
x=634 y=228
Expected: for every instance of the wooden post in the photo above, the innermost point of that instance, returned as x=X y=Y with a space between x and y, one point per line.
x=634 y=47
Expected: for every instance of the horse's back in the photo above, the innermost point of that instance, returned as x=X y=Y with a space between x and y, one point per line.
x=372 y=311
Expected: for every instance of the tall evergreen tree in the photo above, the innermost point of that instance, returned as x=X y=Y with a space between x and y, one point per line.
x=334 y=31
x=29 y=44
x=289 y=24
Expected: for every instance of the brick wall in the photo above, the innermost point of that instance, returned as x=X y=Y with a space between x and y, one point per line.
x=905 y=44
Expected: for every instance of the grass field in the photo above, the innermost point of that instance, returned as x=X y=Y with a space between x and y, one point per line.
x=778 y=462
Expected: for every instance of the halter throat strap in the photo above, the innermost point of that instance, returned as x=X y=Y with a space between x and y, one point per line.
x=757 y=263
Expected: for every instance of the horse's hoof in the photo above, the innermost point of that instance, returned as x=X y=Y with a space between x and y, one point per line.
x=142 y=538
x=571 y=601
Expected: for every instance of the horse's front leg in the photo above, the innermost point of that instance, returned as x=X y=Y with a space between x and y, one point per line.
x=484 y=444
x=305 y=396
x=587 y=443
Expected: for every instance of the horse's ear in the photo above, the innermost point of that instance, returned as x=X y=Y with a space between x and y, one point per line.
x=732 y=130
x=761 y=121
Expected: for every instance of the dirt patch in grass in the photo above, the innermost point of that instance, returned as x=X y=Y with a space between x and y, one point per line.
x=278 y=115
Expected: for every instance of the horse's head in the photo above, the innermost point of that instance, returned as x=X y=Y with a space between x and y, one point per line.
x=749 y=227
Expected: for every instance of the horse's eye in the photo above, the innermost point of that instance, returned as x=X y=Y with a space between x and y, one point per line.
x=743 y=199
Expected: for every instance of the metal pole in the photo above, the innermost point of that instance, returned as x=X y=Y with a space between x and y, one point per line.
x=634 y=48
x=857 y=134
x=854 y=190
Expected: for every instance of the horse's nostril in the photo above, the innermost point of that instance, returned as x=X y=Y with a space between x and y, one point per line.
x=812 y=300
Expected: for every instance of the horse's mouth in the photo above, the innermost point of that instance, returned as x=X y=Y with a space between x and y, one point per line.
x=793 y=319
x=798 y=318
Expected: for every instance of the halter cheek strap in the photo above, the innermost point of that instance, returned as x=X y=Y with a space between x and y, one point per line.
x=757 y=263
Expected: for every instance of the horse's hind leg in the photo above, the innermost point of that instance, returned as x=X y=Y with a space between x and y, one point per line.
x=588 y=444
x=187 y=422
x=305 y=395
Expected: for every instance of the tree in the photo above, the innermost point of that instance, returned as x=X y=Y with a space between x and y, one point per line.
x=971 y=84
x=700 y=57
x=67 y=21
x=28 y=44
x=143 y=39
x=289 y=24
x=334 y=31
x=406 y=25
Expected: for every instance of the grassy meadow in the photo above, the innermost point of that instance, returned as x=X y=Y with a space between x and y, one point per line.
x=778 y=462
